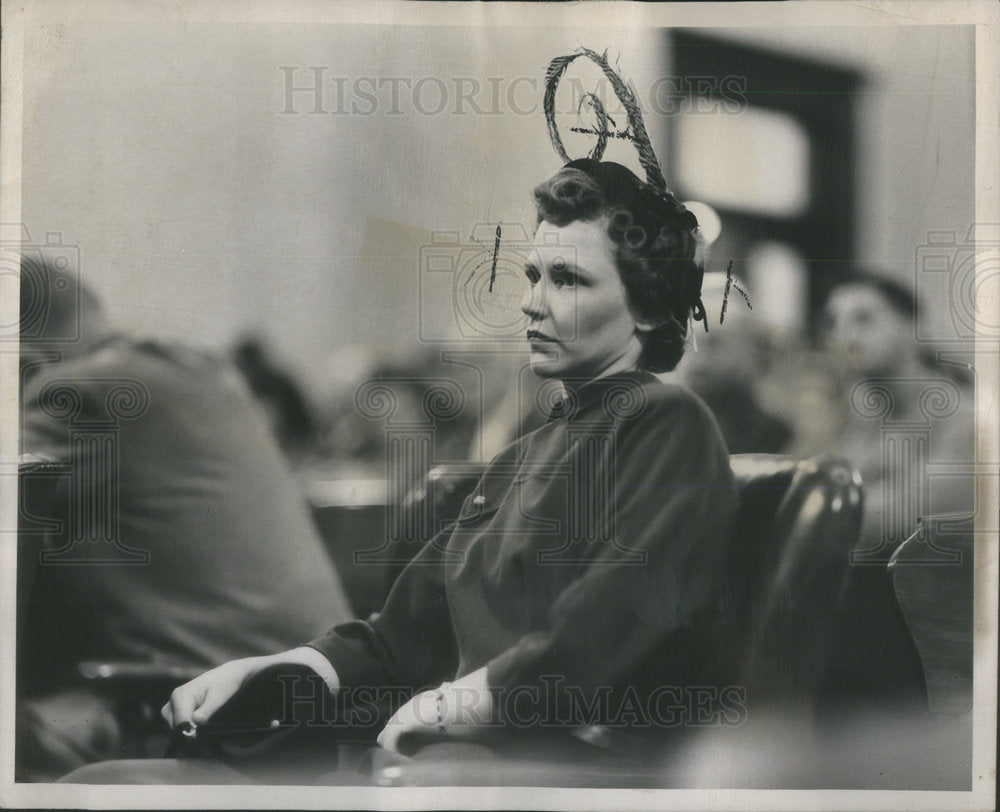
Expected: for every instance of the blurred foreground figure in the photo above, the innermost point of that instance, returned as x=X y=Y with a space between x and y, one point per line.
x=904 y=415
x=726 y=367
x=184 y=539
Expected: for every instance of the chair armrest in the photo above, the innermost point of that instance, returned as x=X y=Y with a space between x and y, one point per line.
x=130 y=680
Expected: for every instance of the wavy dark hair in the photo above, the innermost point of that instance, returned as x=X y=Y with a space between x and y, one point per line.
x=656 y=246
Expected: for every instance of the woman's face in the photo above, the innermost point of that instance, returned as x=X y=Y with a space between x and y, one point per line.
x=580 y=323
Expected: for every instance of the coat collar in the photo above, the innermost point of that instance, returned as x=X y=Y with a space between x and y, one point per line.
x=580 y=399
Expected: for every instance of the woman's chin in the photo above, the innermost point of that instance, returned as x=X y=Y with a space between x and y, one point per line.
x=550 y=368
x=545 y=362
x=545 y=368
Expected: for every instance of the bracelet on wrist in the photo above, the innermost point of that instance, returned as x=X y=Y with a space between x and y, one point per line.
x=439 y=699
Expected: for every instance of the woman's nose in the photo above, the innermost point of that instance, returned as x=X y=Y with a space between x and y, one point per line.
x=533 y=301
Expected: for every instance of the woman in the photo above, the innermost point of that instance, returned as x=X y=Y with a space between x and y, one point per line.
x=581 y=582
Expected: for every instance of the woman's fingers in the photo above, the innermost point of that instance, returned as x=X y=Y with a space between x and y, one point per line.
x=419 y=712
x=167 y=712
x=195 y=701
x=386 y=739
x=213 y=699
x=183 y=702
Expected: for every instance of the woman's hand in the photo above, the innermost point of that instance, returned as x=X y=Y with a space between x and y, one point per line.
x=419 y=714
x=195 y=701
x=455 y=710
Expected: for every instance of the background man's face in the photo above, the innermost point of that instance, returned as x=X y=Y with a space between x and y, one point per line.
x=873 y=335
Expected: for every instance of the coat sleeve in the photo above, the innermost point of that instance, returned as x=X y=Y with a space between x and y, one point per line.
x=671 y=505
x=411 y=642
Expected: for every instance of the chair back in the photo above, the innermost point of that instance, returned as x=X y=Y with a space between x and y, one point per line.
x=797 y=524
x=935 y=596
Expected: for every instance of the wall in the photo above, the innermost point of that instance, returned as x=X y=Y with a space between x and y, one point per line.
x=201 y=210
x=915 y=135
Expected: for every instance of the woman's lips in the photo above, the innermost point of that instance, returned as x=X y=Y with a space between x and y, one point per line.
x=535 y=336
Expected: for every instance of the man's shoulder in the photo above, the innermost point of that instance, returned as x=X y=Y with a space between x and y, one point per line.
x=122 y=357
x=125 y=375
x=85 y=372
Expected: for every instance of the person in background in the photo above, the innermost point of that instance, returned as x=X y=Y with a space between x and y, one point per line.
x=185 y=540
x=726 y=367
x=868 y=323
x=869 y=327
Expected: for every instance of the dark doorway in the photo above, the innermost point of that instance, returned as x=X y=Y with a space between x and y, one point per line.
x=780 y=164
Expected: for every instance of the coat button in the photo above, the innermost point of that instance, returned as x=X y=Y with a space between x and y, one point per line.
x=479 y=501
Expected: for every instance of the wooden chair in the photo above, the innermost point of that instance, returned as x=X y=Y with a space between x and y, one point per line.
x=935 y=597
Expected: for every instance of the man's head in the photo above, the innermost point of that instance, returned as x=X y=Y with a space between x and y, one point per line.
x=870 y=319
x=57 y=311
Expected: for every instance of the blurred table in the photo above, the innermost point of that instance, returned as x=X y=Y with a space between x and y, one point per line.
x=353 y=518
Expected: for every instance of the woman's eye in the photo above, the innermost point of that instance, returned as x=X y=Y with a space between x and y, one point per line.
x=562 y=281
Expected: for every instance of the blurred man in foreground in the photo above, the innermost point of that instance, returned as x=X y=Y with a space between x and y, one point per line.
x=184 y=540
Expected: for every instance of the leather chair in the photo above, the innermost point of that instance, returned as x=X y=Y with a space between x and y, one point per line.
x=798 y=522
